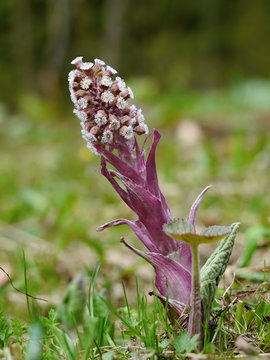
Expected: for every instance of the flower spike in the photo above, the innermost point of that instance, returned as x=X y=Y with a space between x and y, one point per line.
x=101 y=104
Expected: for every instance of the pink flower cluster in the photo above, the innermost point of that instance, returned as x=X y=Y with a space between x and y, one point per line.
x=101 y=104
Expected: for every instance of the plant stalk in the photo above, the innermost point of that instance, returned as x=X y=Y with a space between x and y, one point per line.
x=195 y=316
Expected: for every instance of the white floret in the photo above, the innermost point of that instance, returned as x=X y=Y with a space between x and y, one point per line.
x=121 y=83
x=76 y=60
x=131 y=95
x=100 y=119
x=115 y=124
x=112 y=70
x=121 y=103
x=132 y=122
x=133 y=111
x=146 y=130
x=107 y=137
x=101 y=62
x=82 y=103
x=86 y=66
x=72 y=95
x=87 y=136
x=85 y=83
x=107 y=97
x=80 y=114
x=91 y=147
x=128 y=133
x=106 y=81
x=140 y=116
x=71 y=76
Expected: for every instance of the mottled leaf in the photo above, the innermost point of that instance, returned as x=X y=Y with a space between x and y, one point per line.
x=214 y=268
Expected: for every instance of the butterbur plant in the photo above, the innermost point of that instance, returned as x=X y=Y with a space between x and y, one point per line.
x=110 y=125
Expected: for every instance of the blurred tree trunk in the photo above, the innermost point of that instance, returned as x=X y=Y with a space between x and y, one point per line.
x=58 y=24
x=114 y=27
x=209 y=43
x=22 y=45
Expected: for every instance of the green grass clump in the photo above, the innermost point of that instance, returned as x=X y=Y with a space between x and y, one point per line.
x=106 y=332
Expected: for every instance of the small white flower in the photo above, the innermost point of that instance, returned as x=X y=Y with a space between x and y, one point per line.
x=72 y=95
x=146 y=130
x=131 y=95
x=112 y=70
x=100 y=62
x=71 y=76
x=140 y=116
x=121 y=103
x=85 y=83
x=100 y=119
x=80 y=114
x=82 y=103
x=142 y=129
x=133 y=111
x=107 y=137
x=106 y=81
x=86 y=66
x=87 y=136
x=92 y=148
x=121 y=83
x=115 y=124
x=107 y=97
x=132 y=122
x=76 y=60
x=127 y=132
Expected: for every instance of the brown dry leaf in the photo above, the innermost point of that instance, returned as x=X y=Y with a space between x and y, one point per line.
x=194 y=356
x=245 y=346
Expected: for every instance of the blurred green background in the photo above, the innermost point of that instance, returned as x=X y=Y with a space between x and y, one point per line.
x=179 y=44
x=200 y=70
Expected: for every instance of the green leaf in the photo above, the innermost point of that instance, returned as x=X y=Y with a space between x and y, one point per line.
x=179 y=227
x=253 y=234
x=108 y=356
x=183 y=343
x=214 y=268
x=90 y=331
x=183 y=230
x=217 y=231
x=34 y=347
x=65 y=342
x=100 y=307
x=164 y=343
x=125 y=321
x=72 y=305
